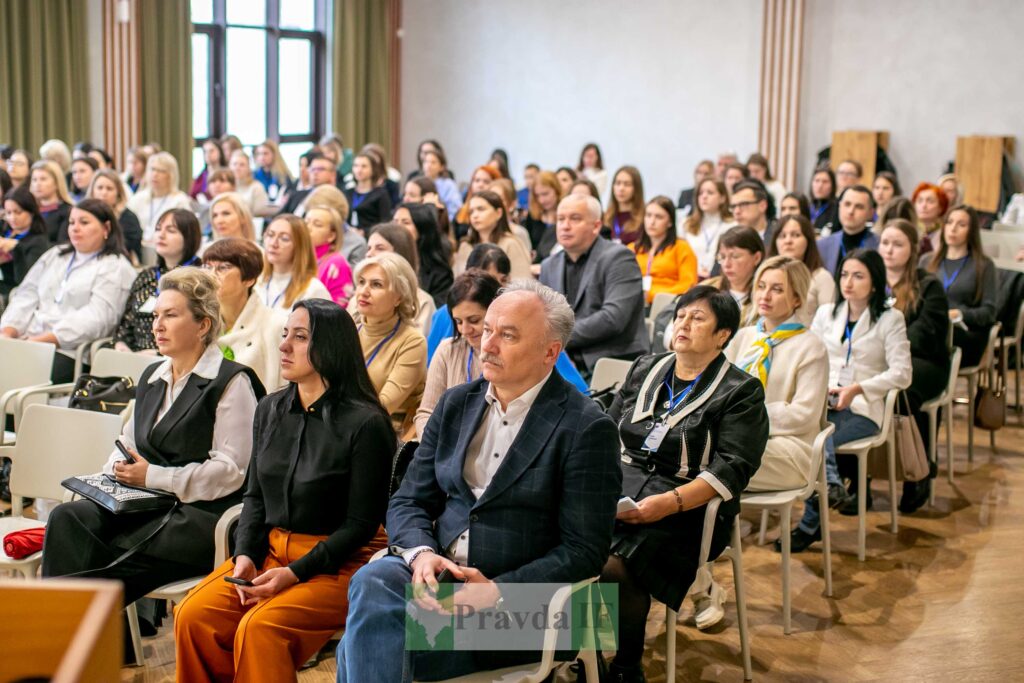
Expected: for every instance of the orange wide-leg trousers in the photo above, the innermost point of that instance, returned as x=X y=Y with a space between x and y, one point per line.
x=217 y=639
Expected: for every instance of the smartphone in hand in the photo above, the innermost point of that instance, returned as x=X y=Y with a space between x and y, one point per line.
x=124 y=451
x=447 y=576
x=239 y=582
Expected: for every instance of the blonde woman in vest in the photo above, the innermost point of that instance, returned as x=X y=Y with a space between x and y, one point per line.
x=394 y=349
x=160 y=193
x=488 y=222
x=251 y=332
x=289 y=271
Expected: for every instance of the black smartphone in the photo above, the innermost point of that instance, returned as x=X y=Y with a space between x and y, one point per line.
x=124 y=451
x=446 y=576
x=238 y=582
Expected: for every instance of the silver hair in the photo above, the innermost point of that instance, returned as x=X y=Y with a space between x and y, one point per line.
x=593 y=206
x=557 y=310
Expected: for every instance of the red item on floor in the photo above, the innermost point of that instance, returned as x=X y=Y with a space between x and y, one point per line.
x=20 y=544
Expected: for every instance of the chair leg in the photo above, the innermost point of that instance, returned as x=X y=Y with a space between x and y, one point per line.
x=786 y=599
x=741 y=599
x=826 y=536
x=133 y=628
x=1016 y=374
x=949 y=441
x=972 y=390
x=933 y=457
x=862 y=501
x=670 y=644
x=764 y=527
x=890 y=447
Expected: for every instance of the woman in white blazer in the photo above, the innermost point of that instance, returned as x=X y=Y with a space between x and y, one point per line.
x=869 y=354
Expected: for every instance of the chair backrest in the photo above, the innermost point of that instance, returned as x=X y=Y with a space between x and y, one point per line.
x=661 y=300
x=56 y=443
x=24 y=363
x=650 y=329
x=817 y=455
x=954 y=370
x=990 y=347
x=111 y=363
x=608 y=372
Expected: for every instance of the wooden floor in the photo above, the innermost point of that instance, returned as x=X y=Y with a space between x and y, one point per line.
x=943 y=600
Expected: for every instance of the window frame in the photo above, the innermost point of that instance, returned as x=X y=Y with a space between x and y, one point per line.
x=218 y=89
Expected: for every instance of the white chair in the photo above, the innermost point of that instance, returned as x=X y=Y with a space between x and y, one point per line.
x=861 y=448
x=660 y=302
x=973 y=374
x=176 y=592
x=53 y=444
x=23 y=364
x=608 y=372
x=782 y=501
x=1013 y=341
x=734 y=553
x=649 y=324
x=942 y=401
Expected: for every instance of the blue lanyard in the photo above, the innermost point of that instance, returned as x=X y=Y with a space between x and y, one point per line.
x=616 y=227
x=849 y=340
x=816 y=213
x=842 y=245
x=191 y=261
x=266 y=295
x=382 y=343
x=675 y=399
x=358 y=199
x=948 y=280
x=16 y=238
x=469 y=366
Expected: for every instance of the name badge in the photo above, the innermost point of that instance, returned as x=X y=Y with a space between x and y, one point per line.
x=647 y=283
x=846 y=376
x=653 y=441
x=149 y=306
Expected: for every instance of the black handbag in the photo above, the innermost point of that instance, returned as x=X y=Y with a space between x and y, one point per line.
x=118 y=498
x=102 y=394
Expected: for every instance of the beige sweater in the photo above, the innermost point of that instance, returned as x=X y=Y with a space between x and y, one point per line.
x=517 y=256
x=398 y=371
x=447 y=370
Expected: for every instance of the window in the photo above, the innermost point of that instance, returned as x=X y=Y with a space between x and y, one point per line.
x=258 y=72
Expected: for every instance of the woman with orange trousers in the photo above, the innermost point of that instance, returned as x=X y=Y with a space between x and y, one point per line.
x=317 y=492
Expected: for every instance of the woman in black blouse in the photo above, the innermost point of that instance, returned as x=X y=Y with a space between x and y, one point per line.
x=369 y=200
x=435 y=273
x=317 y=492
x=692 y=402
x=176 y=241
x=22 y=237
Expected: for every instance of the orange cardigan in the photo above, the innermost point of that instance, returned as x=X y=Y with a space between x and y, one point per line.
x=673 y=270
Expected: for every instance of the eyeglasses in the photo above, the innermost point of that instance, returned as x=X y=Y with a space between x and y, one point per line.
x=741 y=205
x=219 y=267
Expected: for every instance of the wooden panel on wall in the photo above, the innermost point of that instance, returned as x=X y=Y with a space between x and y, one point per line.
x=860 y=146
x=781 y=56
x=121 y=125
x=979 y=168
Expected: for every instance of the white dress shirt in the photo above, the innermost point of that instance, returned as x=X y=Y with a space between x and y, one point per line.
x=272 y=291
x=486 y=452
x=77 y=297
x=224 y=472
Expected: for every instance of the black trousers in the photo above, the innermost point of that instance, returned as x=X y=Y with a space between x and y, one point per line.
x=81 y=540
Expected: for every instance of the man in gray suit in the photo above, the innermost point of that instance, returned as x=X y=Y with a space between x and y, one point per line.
x=602 y=283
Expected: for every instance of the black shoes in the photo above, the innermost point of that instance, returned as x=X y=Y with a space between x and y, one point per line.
x=837 y=496
x=799 y=540
x=915 y=494
x=626 y=674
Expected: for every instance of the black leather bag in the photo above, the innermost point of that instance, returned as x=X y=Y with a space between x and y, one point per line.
x=119 y=498
x=102 y=394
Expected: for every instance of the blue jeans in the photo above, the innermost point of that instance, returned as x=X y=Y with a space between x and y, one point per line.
x=849 y=427
x=373 y=647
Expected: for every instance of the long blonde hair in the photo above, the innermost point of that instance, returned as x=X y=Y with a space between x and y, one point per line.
x=241 y=208
x=303 y=259
x=278 y=168
x=52 y=169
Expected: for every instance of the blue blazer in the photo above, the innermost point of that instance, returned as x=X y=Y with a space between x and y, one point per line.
x=830 y=247
x=548 y=513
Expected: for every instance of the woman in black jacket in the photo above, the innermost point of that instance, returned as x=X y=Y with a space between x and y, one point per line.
x=311 y=516
x=369 y=201
x=108 y=187
x=22 y=237
x=919 y=295
x=824 y=208
x=435 y=274
x=693 y=426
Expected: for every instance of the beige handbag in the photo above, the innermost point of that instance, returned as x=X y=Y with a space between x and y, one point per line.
x=911 y=456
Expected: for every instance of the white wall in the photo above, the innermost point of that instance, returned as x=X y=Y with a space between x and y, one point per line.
x=925 y=70
x=658 y=84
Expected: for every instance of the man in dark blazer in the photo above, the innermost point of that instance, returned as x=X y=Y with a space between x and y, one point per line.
x=321 y=172
x=602 y=282
x=516 y=480
x=856 y=207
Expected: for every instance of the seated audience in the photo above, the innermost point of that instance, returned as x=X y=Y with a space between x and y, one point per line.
x=566 y=177
x=930 y=204
x=970 y=280
x=290 y=268
x=419 y=190
x=51 y=193
x=655 y=548
x=545 y=194
x=759 y=170
x=326 y=232
x=856 y=207
x=353 y=244
x=435 y=167
x=794 y=237
x=921 y=299
x=884 y=189
x=489 y=223
x=19 y=167
x=708 y=219
x=625 y=212
x=218 y=182
x=393 y=238
x=271 y=170
x=603 y=284
x=190 y=435
x=869 y=355
x=82 y=171
x=230 y=217
x=57 y=151
x=848 y=174
x=591 y=167
x=749 y=205
x=688 y=197
x=159 y=194
x=214 y=159
x=230 y=144
x=317 y=489
x=504 y=188
x=482 y=179
x=740 y=253
x=107 y=186
x=550 y=523
x=250 y=332
x=369 y=200
x=394 y=349
x=950 y=186
x=667 y=263
x=435 y=275
x=75 y=292
x=824 y=208
x=176 y=241
x=722 y=163
x=391 y=176
x=23 y=239
x=251 y=190
x=794 y=204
